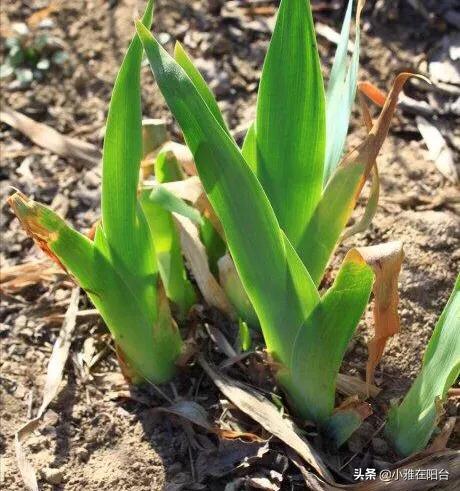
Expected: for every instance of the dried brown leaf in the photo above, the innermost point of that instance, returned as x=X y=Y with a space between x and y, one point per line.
x=221 y=341
x=14 y=278
x=46 y=137
x=372 y=202
x=196 y=414
x=372 y=92
x=385 y=260
x=267 y=415
x=353 y=403
x=440 y=442
x=42 y=14
x=366 y=153
x=229 y=456
x=438 y=150
x=154 y=134
x=195 y=253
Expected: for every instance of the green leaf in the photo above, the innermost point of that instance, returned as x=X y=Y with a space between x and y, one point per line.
x=268 y=266
x=231 y=283
x=157 y=206
x=168 y=201
x=338 y=200
x=244 y=336
x=200 y=84
x=249 y=148
x=411 y=424
x=322 y=340
x=341 y=93
x=329 y=219
x=290 y=123
x=149 y=344
x=124 y=226
x=124 y=229
x=119 y=270
x=212 y=241
x=341 y=425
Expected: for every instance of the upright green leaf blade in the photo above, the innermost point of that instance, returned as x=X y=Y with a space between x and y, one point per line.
x=249 y=148
x=338 y=200
x=411 y=424
x=231 y=283
x=290 y=123
x=200 y=84
x=168 y=251
x=341 y=93
x=322 y=340
x=267 y=266
x=329 y=219
x=150 y=343
x=124 y=227
x=158 y=205
x=339 y=65
x=123 y=152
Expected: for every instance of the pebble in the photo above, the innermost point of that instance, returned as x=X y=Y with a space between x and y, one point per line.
x=61 y=294
x=221 y=84
x=53 y=476
x=35 y=443
x=92 y=180
x=82 y=454
x=21 y=321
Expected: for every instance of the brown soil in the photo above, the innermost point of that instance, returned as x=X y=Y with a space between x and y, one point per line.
x=95 y=436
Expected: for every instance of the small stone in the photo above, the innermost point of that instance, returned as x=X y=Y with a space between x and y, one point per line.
x=380 y=446
x=92 y=180
x=82 y=454
x=21 y=321
x=53 y=476
x=51 y=417
x=61 y=294
x=221 y=84
x=35 y=443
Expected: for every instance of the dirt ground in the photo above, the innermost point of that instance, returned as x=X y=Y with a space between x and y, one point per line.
x=98 y=437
